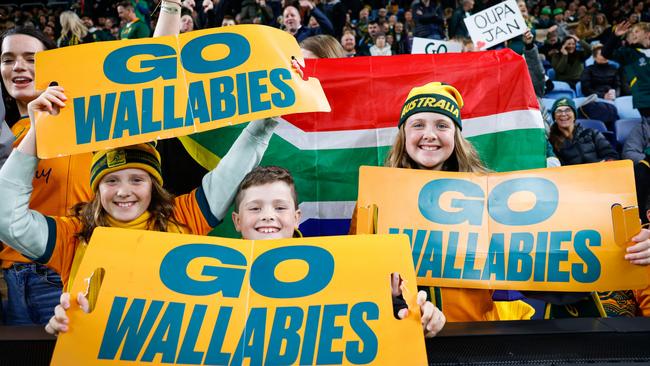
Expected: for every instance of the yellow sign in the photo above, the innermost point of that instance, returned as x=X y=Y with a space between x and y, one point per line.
x=544 y=229
x=131 y=91
x=184 y=299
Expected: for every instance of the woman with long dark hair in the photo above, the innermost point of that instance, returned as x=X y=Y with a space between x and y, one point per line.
x=33 y=289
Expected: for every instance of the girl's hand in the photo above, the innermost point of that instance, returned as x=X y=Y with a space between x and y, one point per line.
x=639 y=253
x=59 y=322
x=50 y=101
x=432 y=318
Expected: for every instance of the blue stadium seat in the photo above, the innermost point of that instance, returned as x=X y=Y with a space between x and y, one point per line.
x=548 y=103
x=625 y=108
x=623 y=127
x=579 y=89
x=600 y=127
x=561 y=86
x=592 y=123
x=557 y=94
x=578 y=101
x=550 y=73
x=561 y=90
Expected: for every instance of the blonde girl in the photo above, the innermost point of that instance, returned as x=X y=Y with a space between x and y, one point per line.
x=73 y=30
x=429 y=137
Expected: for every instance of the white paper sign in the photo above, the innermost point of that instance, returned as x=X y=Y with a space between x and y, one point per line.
x=496 y=24
x=433 y=46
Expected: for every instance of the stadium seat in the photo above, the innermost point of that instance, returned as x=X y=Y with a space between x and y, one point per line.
x=550 y=73
x=561 y=86
x=592 y=123
x=623 y=127
x=600 y=127
x=578 y=101
x=548 y=103
x=557 y=94
x=561 y=90
x=625 y=108
x=579 y=89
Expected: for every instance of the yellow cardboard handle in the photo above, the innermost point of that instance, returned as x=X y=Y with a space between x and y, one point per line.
x=367 y=219
x=626 y=223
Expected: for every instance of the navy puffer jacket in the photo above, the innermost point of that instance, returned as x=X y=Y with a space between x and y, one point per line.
x=587 y=146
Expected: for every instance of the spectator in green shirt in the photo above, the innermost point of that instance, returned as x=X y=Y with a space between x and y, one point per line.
x=134 y=27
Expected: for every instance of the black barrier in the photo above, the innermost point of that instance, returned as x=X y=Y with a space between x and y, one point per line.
x=614 y=341
x=592 y=341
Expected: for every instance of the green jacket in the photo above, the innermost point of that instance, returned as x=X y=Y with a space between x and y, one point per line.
x=570 y=67
x=134 y=30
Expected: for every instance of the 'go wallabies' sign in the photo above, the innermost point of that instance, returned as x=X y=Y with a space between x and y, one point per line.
x=545 y=229
x=198 y=300
x=131 y=91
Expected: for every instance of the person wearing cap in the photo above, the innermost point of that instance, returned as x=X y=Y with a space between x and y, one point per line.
x=544 y=21
x=126 y=184
x=561 y=24
x=574 y=144
x=429 y=138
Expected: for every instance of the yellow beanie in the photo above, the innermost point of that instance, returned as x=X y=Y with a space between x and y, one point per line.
x=433 y=97
x=141 y=156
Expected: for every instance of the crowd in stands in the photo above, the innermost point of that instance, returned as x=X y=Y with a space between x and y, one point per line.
x=576 y=46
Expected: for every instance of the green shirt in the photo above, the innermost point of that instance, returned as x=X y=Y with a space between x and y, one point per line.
x=135 y=29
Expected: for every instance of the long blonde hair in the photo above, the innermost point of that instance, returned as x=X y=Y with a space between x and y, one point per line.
x=72 y=27
x=92 y=214
x=464 y=158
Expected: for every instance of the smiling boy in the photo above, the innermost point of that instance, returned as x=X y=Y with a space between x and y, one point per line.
x=266 y=207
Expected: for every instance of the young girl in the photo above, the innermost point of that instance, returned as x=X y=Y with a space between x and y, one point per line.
x=34 y=290
x=127 y=193
x=430 y=138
